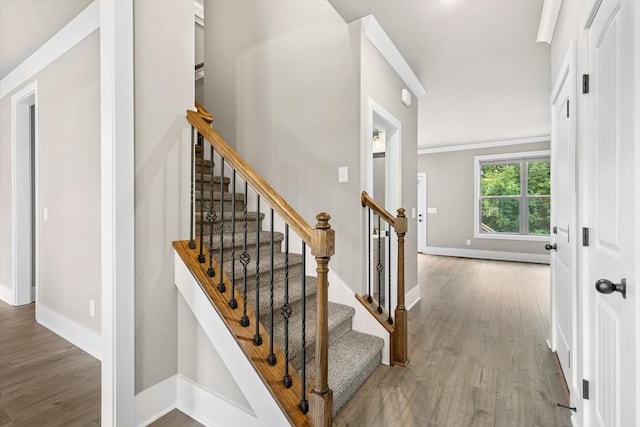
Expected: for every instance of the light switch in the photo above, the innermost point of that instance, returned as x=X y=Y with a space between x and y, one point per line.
x=343 y=174
x=413 y=213
x=45 y=214
x=432 y=210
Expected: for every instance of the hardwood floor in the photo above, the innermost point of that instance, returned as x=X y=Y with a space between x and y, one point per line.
x=477 y=352
x=44 y=380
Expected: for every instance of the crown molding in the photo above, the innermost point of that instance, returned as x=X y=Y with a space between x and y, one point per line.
x=379 y=38
x=548 y=20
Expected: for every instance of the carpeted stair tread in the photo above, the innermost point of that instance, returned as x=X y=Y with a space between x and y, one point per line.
x=340 y=317
x=295 y=294
x=279 y=262
x=352 y=359
x=226 y=196
x=230 y=240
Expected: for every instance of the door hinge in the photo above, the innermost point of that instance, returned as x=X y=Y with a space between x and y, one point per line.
x=555 y=229
x=585 y=83
x=567 y=108
x=585 y=236
x=585 y=389
x=569 y=357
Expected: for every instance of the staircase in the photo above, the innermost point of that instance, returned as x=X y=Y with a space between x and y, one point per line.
x=352 y=355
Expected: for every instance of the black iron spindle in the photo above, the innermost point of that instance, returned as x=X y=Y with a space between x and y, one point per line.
x=221 y=286
x=286 y=309
x=192 y=242
x=201 y=258
x=211 y=218
x=257 y=338
x=388 y=298
x=369 y=298
x=304 y=403
x=272 y=357
x=379 y=267
x=244 y=260
x=232 y=302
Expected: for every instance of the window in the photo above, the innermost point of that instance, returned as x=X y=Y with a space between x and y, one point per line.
x=513 y=196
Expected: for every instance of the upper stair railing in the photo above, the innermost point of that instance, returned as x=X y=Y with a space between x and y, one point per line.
x=380 y=271
x=224 y=216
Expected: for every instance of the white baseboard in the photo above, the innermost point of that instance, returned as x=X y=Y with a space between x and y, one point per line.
x=6 y=295
x=412 y=297
x=156 y=401
x=209 y=408
x=77 y=335
x=484 y=254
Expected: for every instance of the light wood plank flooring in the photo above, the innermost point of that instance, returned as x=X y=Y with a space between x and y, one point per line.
x=477 y=352
x=44 y=380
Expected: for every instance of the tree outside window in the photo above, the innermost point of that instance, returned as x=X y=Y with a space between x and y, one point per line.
x=514 y=196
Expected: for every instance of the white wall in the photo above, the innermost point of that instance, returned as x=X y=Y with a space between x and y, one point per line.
x=164 y=90
x=69 y=185
x=282 y=82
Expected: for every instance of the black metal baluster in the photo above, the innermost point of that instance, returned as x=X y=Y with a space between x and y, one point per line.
x=369 y=298
x=304 y=403
x=221 y=286
x=201 y=258
x=257 y=338
x=192 y=242
x=286 y=309
x=232 y=302
x=211 y=218
x=244 y=260
x=272 y=357
x=390 y=319
x=379 y=267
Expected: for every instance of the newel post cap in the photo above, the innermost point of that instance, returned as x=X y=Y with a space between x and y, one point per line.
x=323 y=237
x=400 y=224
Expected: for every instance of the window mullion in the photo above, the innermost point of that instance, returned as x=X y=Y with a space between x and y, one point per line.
x=524 y=203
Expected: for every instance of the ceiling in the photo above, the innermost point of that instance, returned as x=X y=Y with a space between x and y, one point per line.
x=26 y=24
x=463 y=52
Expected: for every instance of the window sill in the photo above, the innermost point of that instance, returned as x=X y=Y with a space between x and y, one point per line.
x=521 y=237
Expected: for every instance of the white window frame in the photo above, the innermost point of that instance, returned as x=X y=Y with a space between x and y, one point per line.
x=506 y=157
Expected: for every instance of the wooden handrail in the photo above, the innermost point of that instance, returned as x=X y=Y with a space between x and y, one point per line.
x=206 y=116
x=279 y=205
x=399 y=351
x=368 y=201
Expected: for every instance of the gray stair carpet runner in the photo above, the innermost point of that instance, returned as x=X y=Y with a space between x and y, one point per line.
x=352 y=355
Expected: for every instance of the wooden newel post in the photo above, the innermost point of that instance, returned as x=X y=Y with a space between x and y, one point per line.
x=321 y=396
x=400 y=356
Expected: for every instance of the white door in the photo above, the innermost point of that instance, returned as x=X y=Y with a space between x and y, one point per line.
x=611 y=216
x=422 y=211
x=563 y=251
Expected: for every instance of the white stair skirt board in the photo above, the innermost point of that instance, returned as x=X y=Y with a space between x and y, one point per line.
x=496 y=255
x=83 y=338
x=412 y=297
x=266 y=411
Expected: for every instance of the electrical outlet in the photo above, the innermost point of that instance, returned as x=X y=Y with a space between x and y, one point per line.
x=468 y=242
x=92 y=308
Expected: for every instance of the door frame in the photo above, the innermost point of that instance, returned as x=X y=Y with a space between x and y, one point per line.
x=422 y=210
x=22 y=201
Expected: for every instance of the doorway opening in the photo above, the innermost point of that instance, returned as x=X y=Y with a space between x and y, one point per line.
x=381 y=154
x=422 y=212
x=24 y=117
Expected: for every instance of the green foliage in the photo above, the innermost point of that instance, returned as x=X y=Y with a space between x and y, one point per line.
x=539 y=178
x=500 y=180
x=501 y=188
